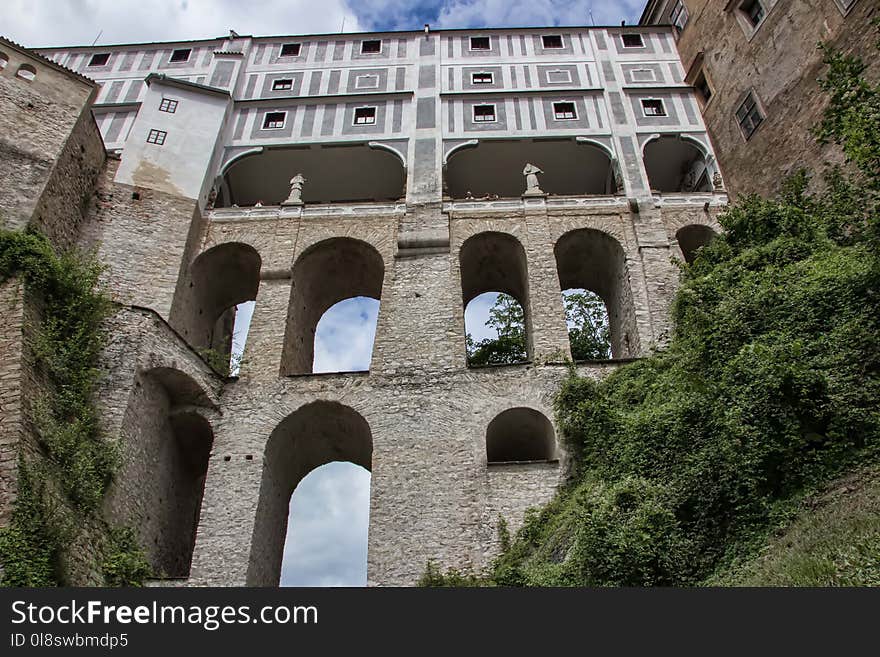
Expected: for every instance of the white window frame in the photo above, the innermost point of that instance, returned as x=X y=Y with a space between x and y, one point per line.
x=750 y=29
x=474 y=118
x=266 y=120
x=656 y=100
x=171 y=60
x=678 y=10
x=559 y=70
x=491 y=75
x=471 y=44
x=372 y=52
x=99 y=54
x=641 y=41
x=278 y=81
x=354 y=115
x=574 y=109
x=561 y=45
x=843 y=7
x=291 y=43
x=632 y=75
x=364 y=76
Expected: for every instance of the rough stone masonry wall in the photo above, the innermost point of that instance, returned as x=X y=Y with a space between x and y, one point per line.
x=50 y=149
x=11 y=347
x=781 y=62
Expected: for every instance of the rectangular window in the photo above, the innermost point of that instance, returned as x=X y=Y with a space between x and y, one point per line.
x=156 y=137
x=290 y=50
x=274 y=120
x=364 y=115
x=749 y=116
x=653 y=107
x=484 y=113
x=679 y=16
x=551 y=41
x=482 y=78
x=632 y=41
x=701 y=84
x=371 y=47
x=558 y=77
x=168 y=105
x=366 y=82
x=180 y=55
x=643 y=75
x=100 y=59
x=564 y=111
x=753 y=11
x=481 y=43
x=282 y=84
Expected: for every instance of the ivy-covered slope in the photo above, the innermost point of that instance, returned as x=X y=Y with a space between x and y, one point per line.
x=684 y=462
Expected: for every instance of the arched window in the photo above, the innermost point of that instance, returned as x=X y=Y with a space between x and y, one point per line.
x=692 y=237
x=496 y=263
x=520 y=435
x=222 y=281
x=26 y=72
x=4 y=60
x=331 y=271
x=316 y=434
x=592 y=260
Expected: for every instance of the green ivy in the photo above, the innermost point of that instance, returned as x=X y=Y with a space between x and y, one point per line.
x=125 y=563
x=79 y=462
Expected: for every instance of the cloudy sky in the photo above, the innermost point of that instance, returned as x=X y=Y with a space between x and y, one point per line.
x=77 y=22
x=327 y=532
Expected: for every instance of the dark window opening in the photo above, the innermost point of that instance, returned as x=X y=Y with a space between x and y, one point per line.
x=290 y=50
x=749 y=116
x=480 y=43
x=632 y=41
x=364 y=115
x=653 y=107
x=563 y=111
x=484 y=113
x=704 y=91
x=168 y=105
x=274 y=120
x=282 y=85
x=372 y=47
x=552 y=41
x=181 y=55
x=754 y=11
x=100 y=59
x=482 y=78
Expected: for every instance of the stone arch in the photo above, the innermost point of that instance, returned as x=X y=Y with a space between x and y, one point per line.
x=315 y=434
x=166 y=442
x=219 y=279
x=326 y=273
x=677 y=163
x=496 y=262
x=594 y=260
x=519 y=435
x=691 y=237
x=26 y=72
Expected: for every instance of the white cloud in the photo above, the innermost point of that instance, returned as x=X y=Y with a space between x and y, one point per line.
x=476 y=314
x=78 y=22
x=529 y=13
x=326 y=541
x=344 y=337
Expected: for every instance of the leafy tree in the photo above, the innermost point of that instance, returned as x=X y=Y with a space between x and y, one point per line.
x=506 y=317
x=588 y=332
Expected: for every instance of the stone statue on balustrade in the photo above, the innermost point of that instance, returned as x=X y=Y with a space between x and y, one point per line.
x=296 y=188
x=532 y=187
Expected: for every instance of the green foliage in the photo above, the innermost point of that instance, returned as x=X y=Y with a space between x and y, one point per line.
x=221 y=362
x=125 y=563
x=31 y=544
x=683 y=461
x=434 y=577
x=588 y=332
x=69 y=484
x=507 y=318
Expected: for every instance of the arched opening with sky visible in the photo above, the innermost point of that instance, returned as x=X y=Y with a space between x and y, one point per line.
x=494 y=168
x=493 y=263
x=590 y=259
x=340 y=269
x=691 y=238
x=315 y=435
x=676 y=165
x=334 y=174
